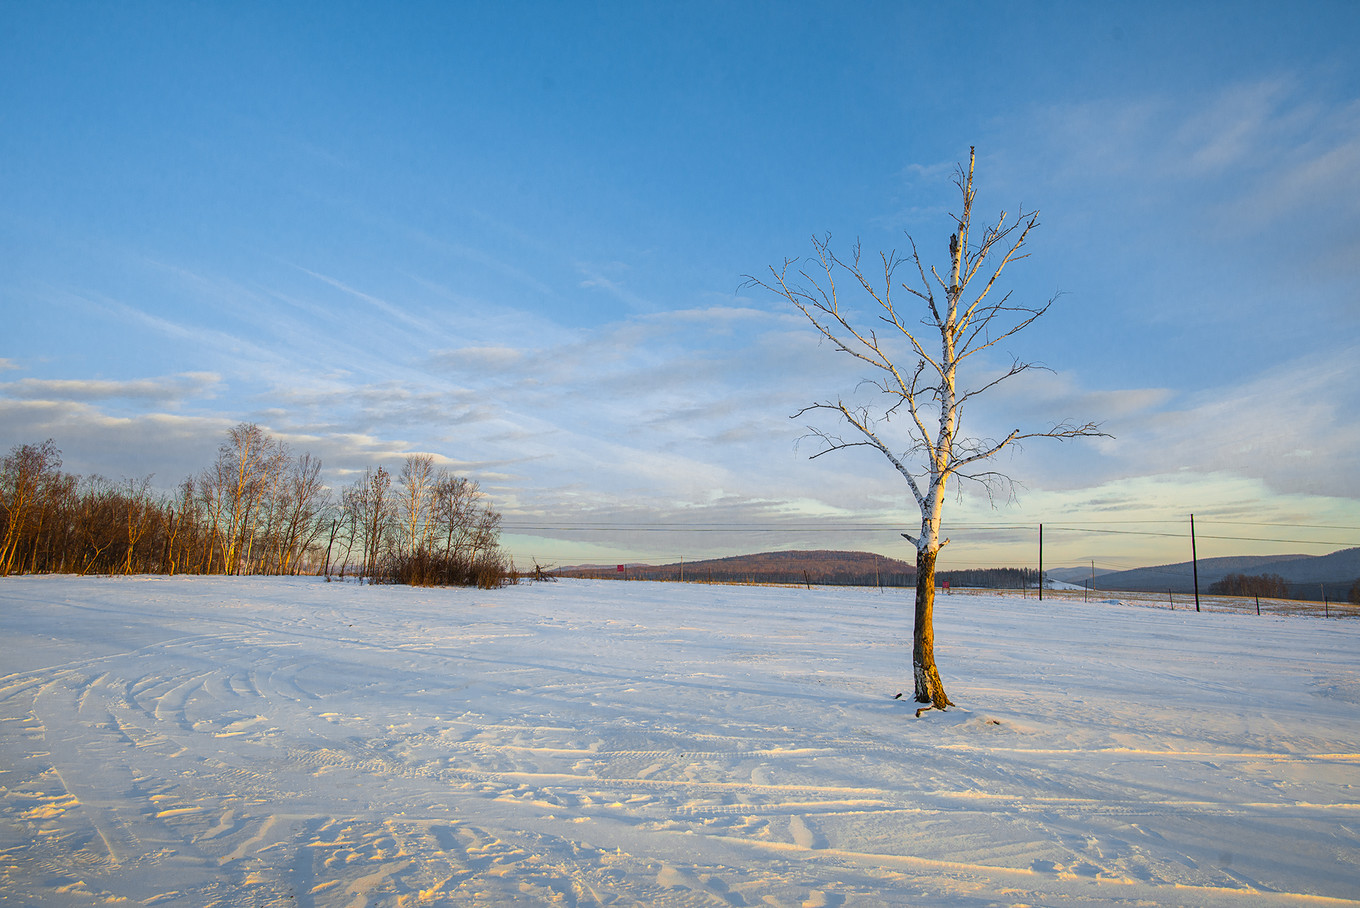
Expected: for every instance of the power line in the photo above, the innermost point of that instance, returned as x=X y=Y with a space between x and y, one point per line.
x=876 y=528
x=1204 y=536
x=1302 y=526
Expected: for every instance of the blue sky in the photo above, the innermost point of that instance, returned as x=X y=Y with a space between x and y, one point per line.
x=514 y=235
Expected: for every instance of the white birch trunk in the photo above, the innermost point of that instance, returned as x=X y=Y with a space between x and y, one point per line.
x=968 y=325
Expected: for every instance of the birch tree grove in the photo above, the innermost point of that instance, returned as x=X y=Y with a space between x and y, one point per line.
x=958 y=316
x=255 y=510
x=444 y=531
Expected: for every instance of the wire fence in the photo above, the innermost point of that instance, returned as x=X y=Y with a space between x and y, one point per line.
x=1171 y=601
x=1172 y=578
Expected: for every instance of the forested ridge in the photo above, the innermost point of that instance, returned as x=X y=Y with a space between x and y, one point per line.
x=823 y=567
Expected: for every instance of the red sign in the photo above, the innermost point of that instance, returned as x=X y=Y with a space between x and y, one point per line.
x=620 y=569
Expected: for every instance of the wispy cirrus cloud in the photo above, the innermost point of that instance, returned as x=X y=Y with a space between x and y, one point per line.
x=496 y=360
x=388 y=310
x=1295 y=427
x=608 y=278
x=1237 y=160
x=484 y=259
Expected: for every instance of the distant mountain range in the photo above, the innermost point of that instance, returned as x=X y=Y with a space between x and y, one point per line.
x=1306 y=575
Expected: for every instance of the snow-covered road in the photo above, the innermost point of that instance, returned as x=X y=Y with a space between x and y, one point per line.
x=252 y=741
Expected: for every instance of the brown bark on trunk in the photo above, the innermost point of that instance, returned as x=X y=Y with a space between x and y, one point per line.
x=929 y=687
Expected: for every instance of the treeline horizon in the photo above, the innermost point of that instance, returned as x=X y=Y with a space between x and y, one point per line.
x=1274 y=586
x=821 y=568
x=257 y=509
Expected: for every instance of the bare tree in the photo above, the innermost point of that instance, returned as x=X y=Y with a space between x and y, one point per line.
x=306 y=501
x=236 y=487
x=212 y=490
x=456 y=503
x=183 y=527
x=371 y=515
x=414 y=502
x=24 y=476
x=485 y=534
x=347 y=524
x=137 y=515
x=927 y=398
x=99 y=523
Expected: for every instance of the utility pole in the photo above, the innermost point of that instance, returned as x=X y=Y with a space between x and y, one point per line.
x=1194 y=560
x=1041 y=562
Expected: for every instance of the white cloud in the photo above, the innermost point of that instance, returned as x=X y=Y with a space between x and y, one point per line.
x=163 y=390
x=168 y=446
x=1294 y=426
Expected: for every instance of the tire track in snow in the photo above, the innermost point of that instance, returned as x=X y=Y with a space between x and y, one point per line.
x=589 y=786
x=1056 y=883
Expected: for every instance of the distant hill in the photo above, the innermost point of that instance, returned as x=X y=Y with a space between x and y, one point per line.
x=820 y=567
x=1306 y=575
x=1076 y=575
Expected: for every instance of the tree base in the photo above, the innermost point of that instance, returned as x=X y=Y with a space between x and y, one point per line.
x=929 y=688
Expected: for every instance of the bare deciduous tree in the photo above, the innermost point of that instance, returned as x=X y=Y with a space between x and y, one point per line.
x=414 y=500
x=927 y=398
x=24 y=474
x=238 y=492
x=456 y=503
x=137 y=517
x=368 y=501
x=305 y=502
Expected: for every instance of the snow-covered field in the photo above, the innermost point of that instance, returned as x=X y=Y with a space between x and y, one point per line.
x=247 y=742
